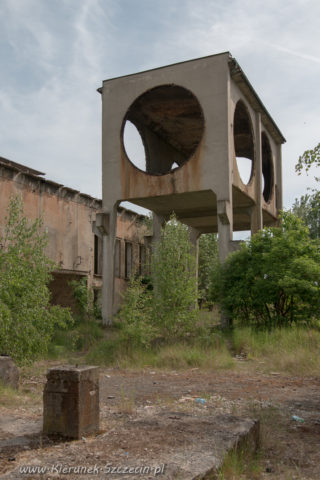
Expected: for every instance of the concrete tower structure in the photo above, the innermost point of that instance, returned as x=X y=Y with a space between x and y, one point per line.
x=197 y=120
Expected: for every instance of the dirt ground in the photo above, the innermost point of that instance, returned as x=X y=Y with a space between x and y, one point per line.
x=290 y=449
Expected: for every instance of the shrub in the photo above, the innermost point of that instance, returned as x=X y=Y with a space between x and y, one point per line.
x=168 y=311
x=174 y=273
x=207 y=264
x=273 y=280
x=136 y=316
x=27 y=320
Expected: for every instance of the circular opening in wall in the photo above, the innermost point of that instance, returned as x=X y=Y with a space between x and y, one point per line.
x=134 y=145
x=162 y=129
x=267 y=168
x=243 y=142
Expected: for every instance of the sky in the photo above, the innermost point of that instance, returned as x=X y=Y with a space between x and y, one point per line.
x=55 y=53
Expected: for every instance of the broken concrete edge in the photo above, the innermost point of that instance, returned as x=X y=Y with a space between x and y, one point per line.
x=246 y=443
x=9 y=372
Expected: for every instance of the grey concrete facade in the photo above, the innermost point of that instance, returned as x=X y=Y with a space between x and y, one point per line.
x=195 y=120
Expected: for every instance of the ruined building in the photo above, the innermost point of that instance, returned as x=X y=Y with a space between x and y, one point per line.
x=197 y=120
x=68 y=217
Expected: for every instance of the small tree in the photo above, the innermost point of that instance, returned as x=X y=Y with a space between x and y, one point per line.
x=174 y=273
x=136 y=316
x=27 y=320
x=207 y=265
x=168 y=311
x=274 y=279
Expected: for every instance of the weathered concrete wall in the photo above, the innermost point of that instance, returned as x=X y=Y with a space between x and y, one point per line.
x=67 y=218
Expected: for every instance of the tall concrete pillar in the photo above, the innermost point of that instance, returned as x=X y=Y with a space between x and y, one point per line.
x=279 y=203
x=106 y=223
x=225 y=229
x=256 y=219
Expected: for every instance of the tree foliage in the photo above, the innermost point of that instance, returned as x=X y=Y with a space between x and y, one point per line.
x=308 y=209
x=27 y=320
x=136 y=316
x=308 y=159
x=273 y=280
x=207 y=264
x=174 y=273
x=308 y=206
x=168 y=311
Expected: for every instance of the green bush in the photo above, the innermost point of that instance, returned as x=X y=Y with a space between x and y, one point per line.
x=207 y=265
x=175 y=292
x=168 y=311
x=136 y=316
x=27 y=320
x=87 y=328
x=274 y=279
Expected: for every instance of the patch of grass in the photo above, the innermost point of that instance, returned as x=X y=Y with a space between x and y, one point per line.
x=9 y=396
x=85 y=334
x=240 y=463
x=293 y=350
x=184 y=356
x=108 y=350
x=176 y=356
x=126 y=404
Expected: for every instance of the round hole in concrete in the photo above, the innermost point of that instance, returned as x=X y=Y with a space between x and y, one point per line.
x=267 y=168
x=245 y=169
x=170 y=123
x=134 y=145
x=243 y=142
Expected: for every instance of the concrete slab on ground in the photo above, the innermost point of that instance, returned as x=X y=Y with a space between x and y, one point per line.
x=190 y=446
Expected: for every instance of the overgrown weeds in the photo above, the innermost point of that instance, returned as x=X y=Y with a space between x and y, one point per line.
x=10 y=397
x=240 y=463
x=293 y=350
x=213 y=355
x=87 y=329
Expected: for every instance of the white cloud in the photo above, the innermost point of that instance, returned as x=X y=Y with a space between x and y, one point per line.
x=55 y=54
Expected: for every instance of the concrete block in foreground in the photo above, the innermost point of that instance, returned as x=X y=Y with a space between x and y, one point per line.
x=71 y=401
x=9 y=373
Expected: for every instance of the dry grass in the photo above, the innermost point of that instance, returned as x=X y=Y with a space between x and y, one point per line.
x=289 y=350
x=126 y=404
x=9 y=396
x=211 y=355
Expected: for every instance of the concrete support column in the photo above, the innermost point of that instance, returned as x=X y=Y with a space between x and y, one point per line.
x=157 y=223
x=256 y=213
x=106 y=223
x=278 y=168
x=225 y=229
